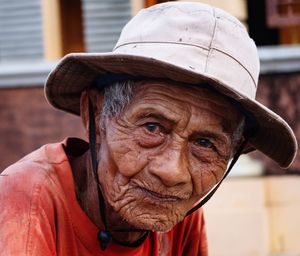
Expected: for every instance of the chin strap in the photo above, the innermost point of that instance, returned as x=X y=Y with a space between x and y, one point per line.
x=103 y=236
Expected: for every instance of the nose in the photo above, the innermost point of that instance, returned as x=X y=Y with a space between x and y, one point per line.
x=171 y=167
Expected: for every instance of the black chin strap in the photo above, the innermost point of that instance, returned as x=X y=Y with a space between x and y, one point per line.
x=104 y=236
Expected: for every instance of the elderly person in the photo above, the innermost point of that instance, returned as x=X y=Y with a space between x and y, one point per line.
x=165 y=113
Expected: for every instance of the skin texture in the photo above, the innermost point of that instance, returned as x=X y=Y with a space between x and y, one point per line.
x=159 y=157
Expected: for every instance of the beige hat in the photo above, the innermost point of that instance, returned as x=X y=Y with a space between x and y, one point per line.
x=184 y=42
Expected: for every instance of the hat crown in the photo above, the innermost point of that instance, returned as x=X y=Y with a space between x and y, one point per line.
x=219 y=37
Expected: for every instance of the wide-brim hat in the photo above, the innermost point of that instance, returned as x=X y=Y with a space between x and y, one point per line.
x=190 y=43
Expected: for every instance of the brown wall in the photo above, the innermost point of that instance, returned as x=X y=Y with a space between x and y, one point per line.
x=281 y=93
x=28 y=121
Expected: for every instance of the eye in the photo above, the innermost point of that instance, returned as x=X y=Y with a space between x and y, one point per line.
x=153 y=127
x=205 y=143
x=152 y=135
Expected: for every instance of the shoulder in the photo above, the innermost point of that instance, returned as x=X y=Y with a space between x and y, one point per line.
x=26 y=192
x=34 y=169
x=32 y=179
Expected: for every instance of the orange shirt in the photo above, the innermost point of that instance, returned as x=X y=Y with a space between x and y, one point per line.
x=39 y=214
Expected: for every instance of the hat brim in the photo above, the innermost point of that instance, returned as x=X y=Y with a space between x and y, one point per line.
x=75 y=73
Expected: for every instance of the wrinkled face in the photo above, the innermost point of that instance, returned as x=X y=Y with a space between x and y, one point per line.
x=164 y=152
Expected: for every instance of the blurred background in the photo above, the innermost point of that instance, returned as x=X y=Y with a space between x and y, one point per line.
x=257 y=209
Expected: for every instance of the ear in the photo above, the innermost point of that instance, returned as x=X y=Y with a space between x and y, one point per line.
x=97 y=101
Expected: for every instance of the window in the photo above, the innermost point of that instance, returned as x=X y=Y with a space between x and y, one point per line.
x=21 y=35
x=285 y=15
x=103 y=21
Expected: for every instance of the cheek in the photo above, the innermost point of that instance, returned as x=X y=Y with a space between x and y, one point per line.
x=205 y=176
x=125 y=153
x=128 y=159
x=118 y=163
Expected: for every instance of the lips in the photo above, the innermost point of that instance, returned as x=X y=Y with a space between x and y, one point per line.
x=158 y=196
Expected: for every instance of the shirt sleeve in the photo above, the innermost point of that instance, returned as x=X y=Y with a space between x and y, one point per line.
x=25 y=226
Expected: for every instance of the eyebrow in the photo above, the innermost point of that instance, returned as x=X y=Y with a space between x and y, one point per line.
x=155 y=113
x=160 y=117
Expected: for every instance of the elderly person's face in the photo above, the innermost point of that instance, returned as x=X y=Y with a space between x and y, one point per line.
x=164 y=152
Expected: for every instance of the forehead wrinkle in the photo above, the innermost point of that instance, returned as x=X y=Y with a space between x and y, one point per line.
x=186 y=90
x=187 y=100
x=213 y=114
x=158 y=99
x=220 y=111
x=200 y=117
x=150 y=108
x=203 y=96
x=161 y=98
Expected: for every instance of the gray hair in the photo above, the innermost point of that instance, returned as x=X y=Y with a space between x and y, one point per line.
x=119 y=94
x=237 y=135
x=116 y=97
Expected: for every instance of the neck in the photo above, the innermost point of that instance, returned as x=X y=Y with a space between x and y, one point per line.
x=87 y=196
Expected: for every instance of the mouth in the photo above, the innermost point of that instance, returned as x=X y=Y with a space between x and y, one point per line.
x=159 y=197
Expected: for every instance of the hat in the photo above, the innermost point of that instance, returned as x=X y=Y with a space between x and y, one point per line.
x=184 y=42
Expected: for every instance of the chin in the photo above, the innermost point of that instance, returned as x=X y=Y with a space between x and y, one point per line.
x=153 y=225
x=153 y=222
x=148 y=214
